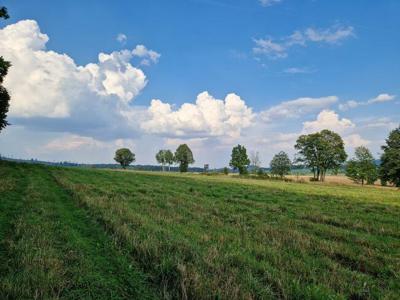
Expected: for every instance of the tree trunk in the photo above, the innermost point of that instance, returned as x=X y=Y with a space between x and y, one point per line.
x=322 y=175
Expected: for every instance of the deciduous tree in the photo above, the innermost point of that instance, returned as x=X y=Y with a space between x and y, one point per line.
x=160 y=157
x=165 y=157
x=239 y=159
x=362 y=168
x=320 y=152
x=169 y=158
x=280 y=164
x=124 y=156
x=389 y=170
x=184 y=156
x=4 y=96
x=255 y=161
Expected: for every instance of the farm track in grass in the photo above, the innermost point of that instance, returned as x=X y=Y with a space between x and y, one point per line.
x=196 y=237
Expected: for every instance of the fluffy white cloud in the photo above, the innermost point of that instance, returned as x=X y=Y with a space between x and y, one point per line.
x=328 y=119
x=355 y=140
x=296 y=108
x=114 y=75
x=148 y=56
x=278 y=49
x=378 y=99
x=44 y=83
x=50 y=91
x=207 y=117
x=382 y=98
x=269 y=2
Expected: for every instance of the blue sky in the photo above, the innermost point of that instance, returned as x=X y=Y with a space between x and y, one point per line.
x=265 y=52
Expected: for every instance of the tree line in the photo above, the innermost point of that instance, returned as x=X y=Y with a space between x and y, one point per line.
x=319 y=152
x=183 y=156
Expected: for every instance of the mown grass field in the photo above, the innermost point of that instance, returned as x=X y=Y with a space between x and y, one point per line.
x=98 y=234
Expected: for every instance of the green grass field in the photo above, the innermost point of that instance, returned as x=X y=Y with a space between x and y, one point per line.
x=99 y=234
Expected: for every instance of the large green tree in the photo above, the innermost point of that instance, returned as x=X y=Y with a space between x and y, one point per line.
x=239 y=159
x=389 y=170
x=320 y=152
x=124 y=156
x=4 y=96
x=362 y=168
x=280 y=164
x=184 y=156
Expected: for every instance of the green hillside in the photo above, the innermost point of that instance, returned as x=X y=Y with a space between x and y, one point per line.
x=73 y=233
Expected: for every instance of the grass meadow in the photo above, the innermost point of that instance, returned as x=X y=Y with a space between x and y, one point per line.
x=70 y=233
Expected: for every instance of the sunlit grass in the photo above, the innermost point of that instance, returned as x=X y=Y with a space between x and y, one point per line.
x=194 y=236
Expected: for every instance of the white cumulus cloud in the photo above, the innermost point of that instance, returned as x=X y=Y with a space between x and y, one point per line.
x=50 y=91
x=48 y=84
x=328 y=119
x=148 y=56
x=355 y=140
x=207 y=117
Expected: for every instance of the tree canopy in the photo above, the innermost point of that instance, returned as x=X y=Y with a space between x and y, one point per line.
x=4 y=13
x=165 y=157
x=390 y=160
x=184 y=156
x=321 y=151
x=4 y=96
x=124 y=156
x=280 y=164
x=239 y=159
x=362 y=168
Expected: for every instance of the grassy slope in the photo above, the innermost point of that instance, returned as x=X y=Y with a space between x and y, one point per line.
x=195 y=236
x=51 y=249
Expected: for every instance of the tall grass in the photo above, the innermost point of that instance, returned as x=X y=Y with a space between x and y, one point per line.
x=90 y=234
x=201 y=237
x=51 y=249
